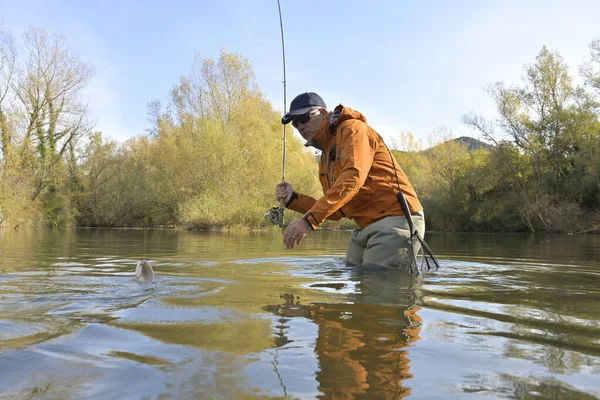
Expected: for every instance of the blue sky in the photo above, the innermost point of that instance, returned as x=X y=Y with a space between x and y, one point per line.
x=408 y=66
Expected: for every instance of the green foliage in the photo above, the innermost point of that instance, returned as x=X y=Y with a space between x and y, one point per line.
x=212 y=160
x=213 y=154
x=16 y=206
x=41 y=121
x=548 y=168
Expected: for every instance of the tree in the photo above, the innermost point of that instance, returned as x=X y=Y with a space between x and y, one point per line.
x=550 y=123
x=8 y=65
x=211 y=159
x=590 y=71
x=215 y=147
x=48 y=89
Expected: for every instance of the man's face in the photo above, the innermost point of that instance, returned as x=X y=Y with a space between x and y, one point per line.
x=309 y=123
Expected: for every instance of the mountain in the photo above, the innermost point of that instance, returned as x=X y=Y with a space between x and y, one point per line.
x=469 y=142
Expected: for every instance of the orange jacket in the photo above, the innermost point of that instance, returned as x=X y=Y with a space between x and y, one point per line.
x=356 y=173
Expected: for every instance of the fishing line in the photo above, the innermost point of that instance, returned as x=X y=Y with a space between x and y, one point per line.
x=146 y=196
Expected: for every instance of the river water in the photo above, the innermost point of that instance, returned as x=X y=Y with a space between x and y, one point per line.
x=237 y=316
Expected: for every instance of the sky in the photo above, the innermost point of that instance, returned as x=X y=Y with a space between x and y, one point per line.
x=407 y=66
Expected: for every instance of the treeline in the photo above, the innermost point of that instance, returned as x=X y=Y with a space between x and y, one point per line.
x=211 y=159
x=212 y=154
x=542 y=170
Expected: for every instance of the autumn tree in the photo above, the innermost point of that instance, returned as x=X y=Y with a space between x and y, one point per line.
x=550 y=122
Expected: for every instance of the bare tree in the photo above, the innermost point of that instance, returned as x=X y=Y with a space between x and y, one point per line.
x=589 y=70
x=48 y=89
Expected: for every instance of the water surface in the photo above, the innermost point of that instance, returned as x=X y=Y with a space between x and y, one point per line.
x=238 y=316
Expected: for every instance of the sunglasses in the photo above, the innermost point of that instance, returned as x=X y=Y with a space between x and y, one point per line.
x=304 y=118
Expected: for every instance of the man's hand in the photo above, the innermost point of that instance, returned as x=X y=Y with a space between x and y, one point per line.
x=295 y=232
x=283 y=191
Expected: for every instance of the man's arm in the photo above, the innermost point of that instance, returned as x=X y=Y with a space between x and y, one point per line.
x=302 y=204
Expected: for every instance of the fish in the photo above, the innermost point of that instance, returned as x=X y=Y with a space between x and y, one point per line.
x=144 y=272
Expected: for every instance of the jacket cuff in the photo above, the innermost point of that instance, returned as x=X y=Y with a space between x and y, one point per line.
x=312 y=221
x=293 y=197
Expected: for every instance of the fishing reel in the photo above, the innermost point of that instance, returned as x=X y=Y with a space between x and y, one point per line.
x=275 y=215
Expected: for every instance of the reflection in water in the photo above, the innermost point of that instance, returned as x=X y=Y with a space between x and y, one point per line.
x=362 y=344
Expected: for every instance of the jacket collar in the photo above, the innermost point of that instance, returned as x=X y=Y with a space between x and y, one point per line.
x=326 y=130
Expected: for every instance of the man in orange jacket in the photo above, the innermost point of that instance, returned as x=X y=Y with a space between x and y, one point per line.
x=360 y=180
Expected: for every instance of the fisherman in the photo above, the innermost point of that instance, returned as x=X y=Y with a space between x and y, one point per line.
x=360 y=181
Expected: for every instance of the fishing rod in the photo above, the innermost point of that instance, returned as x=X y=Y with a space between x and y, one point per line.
x=284 y=96
x=275 y=214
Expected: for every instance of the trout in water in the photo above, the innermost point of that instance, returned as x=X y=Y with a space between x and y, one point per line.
x=144 y=272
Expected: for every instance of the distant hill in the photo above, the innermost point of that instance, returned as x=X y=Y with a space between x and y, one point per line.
x=472 y=144
x=469 y=142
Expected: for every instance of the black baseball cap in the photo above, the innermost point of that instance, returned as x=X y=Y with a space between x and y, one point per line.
x=302 y=104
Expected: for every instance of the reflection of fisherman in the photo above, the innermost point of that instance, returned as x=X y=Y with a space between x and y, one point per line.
x=362 y=344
